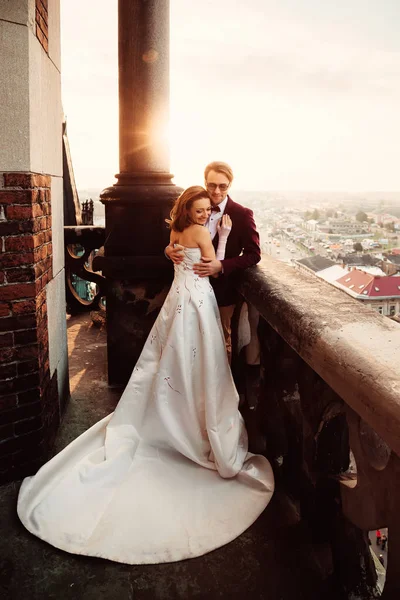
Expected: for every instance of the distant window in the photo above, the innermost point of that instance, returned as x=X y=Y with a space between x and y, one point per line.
x=348 y=279
x=392 y=310
x=360 y=287
x=380 y=309
x=376 y=289
x=351 y=286
x=365 y=292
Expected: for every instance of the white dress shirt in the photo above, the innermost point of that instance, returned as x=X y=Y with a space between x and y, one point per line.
x=212 y=222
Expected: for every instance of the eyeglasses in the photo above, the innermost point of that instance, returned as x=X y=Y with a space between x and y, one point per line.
x=213 y=186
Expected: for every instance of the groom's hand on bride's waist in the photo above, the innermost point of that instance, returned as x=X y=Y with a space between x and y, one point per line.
x=208 y=267
x=174 y=253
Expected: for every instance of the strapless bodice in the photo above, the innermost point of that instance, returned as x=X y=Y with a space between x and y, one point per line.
x=191 y=257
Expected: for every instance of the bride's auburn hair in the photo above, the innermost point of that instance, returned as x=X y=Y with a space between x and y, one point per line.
x=179 y=216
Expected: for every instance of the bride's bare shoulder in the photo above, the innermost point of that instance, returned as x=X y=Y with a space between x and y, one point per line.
x=194 y=234
x=198 y=235
x=200 y=231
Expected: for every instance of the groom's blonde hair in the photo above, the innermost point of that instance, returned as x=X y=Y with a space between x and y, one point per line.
x=179 y=216
x=219 y=167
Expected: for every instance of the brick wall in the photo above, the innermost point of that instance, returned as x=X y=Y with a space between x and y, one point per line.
x=42 y=21
x=29 y=408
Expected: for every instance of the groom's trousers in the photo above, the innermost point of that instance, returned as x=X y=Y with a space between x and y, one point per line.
x=226 y=313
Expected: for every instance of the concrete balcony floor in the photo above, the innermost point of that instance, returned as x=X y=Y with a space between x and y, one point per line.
x=273 y=560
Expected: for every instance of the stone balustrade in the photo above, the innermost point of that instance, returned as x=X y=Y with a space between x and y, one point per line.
x=325 y=409
x=82 y=244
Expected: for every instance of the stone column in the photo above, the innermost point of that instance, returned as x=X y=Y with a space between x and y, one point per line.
x=137 y=205
x=143 y=34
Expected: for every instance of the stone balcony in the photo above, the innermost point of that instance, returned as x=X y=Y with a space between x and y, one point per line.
x=324 y=406
x=274 y=559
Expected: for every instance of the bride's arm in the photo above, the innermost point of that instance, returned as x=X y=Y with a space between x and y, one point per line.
x=210 y=266
x=203 y=240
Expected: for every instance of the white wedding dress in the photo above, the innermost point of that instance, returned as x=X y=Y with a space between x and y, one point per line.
x=166 y=476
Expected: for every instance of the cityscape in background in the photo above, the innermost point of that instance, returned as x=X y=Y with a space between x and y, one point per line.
x=349 y=240
x=262 y=201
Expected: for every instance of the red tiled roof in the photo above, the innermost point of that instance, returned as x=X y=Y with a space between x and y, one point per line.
x=356 y=281
x=385 y=286
x=367 y=285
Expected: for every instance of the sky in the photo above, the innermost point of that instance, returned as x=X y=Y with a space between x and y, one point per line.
x=294 y=94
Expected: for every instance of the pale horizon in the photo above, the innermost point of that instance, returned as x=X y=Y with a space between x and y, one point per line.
x=296 y=97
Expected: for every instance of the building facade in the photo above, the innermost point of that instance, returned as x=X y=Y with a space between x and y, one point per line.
x=33 y=348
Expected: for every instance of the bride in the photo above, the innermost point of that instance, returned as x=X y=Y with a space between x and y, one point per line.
x=167 y=476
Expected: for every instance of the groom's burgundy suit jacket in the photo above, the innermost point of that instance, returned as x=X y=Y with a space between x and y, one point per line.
x=242 y=251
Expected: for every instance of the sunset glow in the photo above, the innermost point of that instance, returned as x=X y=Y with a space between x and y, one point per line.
x=294 y=96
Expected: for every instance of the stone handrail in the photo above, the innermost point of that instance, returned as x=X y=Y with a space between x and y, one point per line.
x=330 y=383
x=354 y=349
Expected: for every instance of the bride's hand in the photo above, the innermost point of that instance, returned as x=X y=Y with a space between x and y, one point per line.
x=224 y=225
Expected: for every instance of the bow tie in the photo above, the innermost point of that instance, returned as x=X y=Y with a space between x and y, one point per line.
x=215 y=209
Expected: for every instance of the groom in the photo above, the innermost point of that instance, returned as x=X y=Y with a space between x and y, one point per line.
x=242 y=248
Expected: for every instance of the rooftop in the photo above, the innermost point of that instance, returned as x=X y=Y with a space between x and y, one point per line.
x=394 y=257
x=273 y=559
x=316 y=263
x=360 y=259
x=365 y=284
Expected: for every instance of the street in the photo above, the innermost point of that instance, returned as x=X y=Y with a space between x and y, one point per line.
x=286 y=251
x=378 y=548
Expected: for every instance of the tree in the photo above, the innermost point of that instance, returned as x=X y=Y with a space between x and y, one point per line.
x=389 y=226
x=315 y=214
x=361 y=216
x=357 y=247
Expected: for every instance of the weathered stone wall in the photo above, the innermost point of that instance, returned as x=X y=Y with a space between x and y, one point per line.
x=34 y=374
x=29 y=407
x=300 y=423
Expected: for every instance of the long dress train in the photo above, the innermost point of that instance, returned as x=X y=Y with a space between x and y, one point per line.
x=167 y=476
